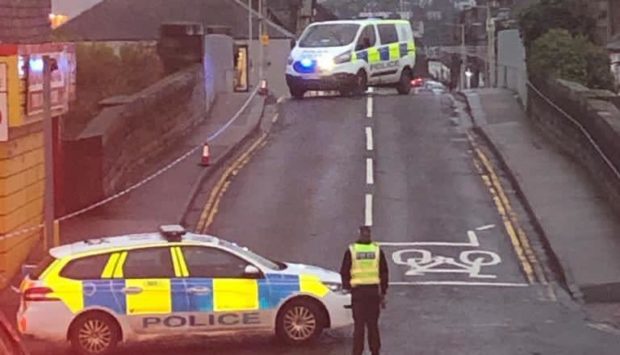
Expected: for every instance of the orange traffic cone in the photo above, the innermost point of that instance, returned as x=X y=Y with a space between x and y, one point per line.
x=206 y=155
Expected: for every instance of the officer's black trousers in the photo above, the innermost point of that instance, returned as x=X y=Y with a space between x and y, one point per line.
x=366 y=316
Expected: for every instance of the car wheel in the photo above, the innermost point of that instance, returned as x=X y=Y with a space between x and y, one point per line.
x=360 y=84
x=404 y=84
x=299 y=322
x=297 y=93
x=94 y=334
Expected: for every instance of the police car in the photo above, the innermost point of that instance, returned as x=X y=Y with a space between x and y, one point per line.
x=99 y=292
x=350 y=55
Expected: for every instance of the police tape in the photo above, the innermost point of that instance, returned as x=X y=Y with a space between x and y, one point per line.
x=144 y=181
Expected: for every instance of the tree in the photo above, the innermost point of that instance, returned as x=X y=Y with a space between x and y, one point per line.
x=558 y=54
x=571 y=15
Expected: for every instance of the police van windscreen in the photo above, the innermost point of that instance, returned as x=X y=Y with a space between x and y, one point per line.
x=329 y=35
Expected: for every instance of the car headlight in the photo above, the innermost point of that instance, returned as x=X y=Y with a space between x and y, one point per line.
x=334 y=286
x=325 y=63
x=343 y=58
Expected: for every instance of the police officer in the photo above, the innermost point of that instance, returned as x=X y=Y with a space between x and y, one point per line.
x=364 y=272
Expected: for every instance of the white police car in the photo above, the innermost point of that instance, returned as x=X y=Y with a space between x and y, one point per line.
x=349 y=55
x=99 y=292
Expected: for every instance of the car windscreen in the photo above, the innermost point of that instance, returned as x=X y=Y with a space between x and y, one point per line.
x=329 y=35
x=247 y=253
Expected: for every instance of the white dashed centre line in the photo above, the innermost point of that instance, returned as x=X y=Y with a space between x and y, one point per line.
x=369 y=139
x=368 y=214
x=370 y=179
x=369 y=107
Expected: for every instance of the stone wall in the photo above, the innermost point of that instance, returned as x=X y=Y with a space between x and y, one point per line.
x=147 y=125
x=24 y=21
x=596 y=112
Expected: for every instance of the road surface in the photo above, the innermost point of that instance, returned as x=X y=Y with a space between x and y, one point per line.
x=464 y=279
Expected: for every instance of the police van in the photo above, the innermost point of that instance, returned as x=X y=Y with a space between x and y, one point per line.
x=350 y=55
x=99 y=292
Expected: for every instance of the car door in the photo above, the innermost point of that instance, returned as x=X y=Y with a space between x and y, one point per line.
x=366 y=51
x=221 y=296
x=389 y=52
x=148 y=274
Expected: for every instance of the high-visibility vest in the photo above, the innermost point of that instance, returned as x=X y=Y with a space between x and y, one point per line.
x=364 y=264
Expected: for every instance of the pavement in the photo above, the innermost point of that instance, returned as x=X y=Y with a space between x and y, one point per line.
x=163 y=199
x=579 y=225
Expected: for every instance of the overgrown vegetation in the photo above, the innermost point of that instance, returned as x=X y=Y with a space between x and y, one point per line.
x=558 y=36
x=104 y=71
x=559 y=54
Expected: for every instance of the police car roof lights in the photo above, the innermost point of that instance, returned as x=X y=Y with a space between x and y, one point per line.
x=172 y=233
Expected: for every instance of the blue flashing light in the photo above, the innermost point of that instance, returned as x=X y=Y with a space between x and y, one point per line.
x=306 y=63
x=36 y=64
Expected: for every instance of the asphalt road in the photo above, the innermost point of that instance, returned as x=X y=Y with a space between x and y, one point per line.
x=458 y=287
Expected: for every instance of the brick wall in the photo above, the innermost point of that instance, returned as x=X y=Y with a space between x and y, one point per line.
x=24 y=21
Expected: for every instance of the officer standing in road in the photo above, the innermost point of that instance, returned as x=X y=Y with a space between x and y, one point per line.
x=364 y=272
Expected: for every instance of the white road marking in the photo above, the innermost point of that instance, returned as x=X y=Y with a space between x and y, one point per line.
x=370 y=179
x=369 y=139
x=275 y=118
x=486 y=227
x=471 y=235
x=368 y=210
x=281 y=99
x=369 y=107
x=421 y=262
x=458 y=283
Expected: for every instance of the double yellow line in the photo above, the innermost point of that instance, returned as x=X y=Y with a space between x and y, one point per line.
x=519 y=239
x=212 y=207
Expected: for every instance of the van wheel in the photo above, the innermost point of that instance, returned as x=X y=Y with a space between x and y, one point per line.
x=404 y=84
x=299 y=322
x=94 y=334
x=360 y=84
x=297 y=93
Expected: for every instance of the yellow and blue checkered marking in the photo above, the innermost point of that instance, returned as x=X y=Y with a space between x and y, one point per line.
x=234 y=294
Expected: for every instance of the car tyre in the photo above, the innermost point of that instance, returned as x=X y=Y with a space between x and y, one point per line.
x=299 y=322
x=360 y=85
x=94 y=334
x=297 y=93
x=404 y=84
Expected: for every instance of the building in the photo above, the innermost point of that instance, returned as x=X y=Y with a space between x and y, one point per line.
x=22 y=180
x=24 y=21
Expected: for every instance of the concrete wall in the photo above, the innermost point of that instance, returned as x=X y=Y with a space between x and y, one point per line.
x=511 y=66
x=218 y=65
x=276 y=56
x=596 y=112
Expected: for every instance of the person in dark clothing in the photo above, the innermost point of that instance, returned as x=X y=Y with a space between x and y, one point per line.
x=364 y=272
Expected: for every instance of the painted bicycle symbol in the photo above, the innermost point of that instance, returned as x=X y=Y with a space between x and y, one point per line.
x=422 y=261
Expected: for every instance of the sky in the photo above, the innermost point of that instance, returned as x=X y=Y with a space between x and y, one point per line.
x=72 y=8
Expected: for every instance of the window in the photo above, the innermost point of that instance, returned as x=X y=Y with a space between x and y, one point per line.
x=388 y=34
x=367 y=39
x=87 y=268
x=213 y=263
x=148 y=263
x=329 y=35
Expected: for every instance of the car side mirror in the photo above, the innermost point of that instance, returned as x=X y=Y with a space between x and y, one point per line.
x=252 y=271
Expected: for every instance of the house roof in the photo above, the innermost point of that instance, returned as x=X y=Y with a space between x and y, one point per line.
x=133 y=20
